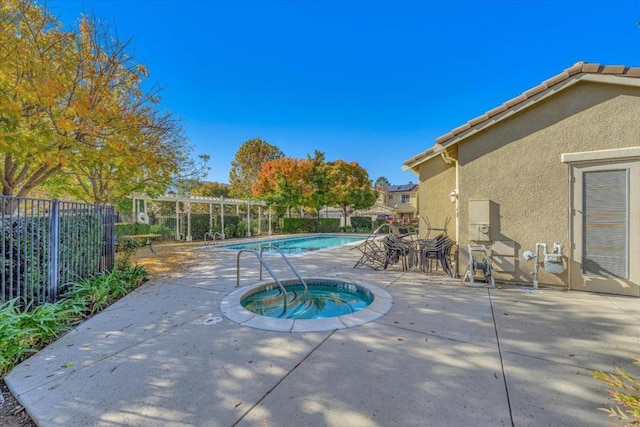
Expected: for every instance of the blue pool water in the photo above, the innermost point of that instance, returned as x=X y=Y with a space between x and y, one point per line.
x=325 y=298
x=298 y=245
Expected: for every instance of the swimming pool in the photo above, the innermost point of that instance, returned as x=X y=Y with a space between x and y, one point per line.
x=299 y=245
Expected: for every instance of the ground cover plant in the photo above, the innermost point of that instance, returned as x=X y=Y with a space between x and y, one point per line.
x=26 y=330
x=625 y=391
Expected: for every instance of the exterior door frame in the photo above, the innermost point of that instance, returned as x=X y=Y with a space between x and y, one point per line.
x=590 y=282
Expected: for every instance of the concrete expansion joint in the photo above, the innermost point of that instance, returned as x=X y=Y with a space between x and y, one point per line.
x=504 y=374
x=284 y=377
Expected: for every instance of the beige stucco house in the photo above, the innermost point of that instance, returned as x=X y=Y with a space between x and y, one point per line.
x=559 y=163
x=400 y=200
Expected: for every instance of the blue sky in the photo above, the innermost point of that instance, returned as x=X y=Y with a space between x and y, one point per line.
x=368 y=81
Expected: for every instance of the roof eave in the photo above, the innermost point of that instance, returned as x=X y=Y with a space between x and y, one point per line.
x=413 y=163
x=505 y=110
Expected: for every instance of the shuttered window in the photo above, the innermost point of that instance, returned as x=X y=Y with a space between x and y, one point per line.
x=606 y=223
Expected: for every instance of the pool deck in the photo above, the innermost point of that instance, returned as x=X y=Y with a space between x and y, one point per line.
x=444 y=355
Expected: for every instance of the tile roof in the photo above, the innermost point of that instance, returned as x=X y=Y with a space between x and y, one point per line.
x=576 y=69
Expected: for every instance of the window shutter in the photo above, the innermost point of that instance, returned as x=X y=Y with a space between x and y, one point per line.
x=606 y=223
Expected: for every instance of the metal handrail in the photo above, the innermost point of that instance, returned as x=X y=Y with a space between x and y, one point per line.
x=306 y=288
x=262 y=262
x=213 y=236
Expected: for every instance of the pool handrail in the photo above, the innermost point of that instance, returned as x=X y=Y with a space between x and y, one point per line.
x=213 y=236
x=262 y=262
x=306 y=288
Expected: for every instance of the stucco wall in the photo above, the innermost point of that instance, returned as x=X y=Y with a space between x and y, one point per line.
x=437 y=179
x=516 y=165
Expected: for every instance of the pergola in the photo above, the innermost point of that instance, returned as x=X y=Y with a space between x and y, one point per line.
x=139 y=204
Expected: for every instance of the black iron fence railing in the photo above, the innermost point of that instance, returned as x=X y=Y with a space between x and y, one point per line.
x=46 y=244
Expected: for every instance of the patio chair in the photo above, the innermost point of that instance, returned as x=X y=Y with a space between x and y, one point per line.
x=399 y=250
x=373 y=254
x=438 y=250
x=443 y=230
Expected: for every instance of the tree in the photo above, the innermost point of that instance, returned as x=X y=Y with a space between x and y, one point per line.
x=32 y=87
x=247 y=163
x=282 y=182
x=211 y=189
x=350 y=187
x=317 y=191
x=382 y=181
x=74 y=114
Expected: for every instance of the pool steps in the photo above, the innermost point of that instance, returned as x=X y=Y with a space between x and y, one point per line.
x=263 y=263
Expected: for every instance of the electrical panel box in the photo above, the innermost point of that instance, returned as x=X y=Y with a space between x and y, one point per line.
x=479 y=220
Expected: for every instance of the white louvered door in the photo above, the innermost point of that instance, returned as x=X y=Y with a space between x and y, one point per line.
x=605 y=225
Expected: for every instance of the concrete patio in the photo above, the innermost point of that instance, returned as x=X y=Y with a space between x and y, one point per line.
x=445 y=355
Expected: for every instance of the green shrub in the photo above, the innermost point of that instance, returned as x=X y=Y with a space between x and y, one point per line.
x=199 y=225
x=625 y=390
x=25 y=330
x=229 y=230
x=241 y=230
x=163 y=230
x=329 y=225
x=127 y=229
x=127 y=247
x=310 y=225
x=362 y=224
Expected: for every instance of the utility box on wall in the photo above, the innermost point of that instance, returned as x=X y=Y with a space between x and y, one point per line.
x=479 y=220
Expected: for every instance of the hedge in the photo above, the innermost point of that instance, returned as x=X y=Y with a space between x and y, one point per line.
x=310 y=225
x=362 y=223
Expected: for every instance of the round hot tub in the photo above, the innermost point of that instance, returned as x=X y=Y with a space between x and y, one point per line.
x=326 y=304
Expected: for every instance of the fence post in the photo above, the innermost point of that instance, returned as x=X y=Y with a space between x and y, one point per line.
x=54 y=247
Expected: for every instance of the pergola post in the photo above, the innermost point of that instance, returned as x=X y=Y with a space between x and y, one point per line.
x=189 y=237
x=248 y=219
x=177 y=220
x=210 y=217
x=259 y=219
x=270 y=231
x=222 y=220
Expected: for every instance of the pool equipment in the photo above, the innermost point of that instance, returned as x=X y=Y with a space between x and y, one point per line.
x=479 y=261
x=552 y=261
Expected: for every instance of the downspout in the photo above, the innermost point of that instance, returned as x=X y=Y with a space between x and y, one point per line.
x=570 y=219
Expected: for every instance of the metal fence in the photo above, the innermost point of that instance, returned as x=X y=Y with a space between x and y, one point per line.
x=46 y=244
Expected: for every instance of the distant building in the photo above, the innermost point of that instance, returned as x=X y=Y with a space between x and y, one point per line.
x=398 y=203
x=395 y=203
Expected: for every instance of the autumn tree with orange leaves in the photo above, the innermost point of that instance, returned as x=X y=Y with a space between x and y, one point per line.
x=314 y=183
x=350 y=187
x=282 y=182
x=247 y=163
x=74 y=114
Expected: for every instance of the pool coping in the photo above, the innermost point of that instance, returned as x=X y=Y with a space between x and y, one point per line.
x=232 y=309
